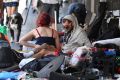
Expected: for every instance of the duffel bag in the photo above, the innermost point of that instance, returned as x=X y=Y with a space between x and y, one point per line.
x=37 y=64
x=9 y=57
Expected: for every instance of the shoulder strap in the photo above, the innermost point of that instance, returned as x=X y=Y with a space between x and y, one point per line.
x=52 y=32
x=38 y=32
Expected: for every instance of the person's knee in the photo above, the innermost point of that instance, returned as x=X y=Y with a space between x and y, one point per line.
x=42 y=52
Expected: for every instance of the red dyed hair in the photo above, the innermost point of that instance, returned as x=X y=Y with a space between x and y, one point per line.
x=43 y=20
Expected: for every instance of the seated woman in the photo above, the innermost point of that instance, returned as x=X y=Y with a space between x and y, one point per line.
x=43 y=34
x=47 y=39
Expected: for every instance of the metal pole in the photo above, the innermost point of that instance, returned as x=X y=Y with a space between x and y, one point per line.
x=55 y=20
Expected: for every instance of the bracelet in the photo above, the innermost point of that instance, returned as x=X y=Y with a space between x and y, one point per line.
x=56 y=52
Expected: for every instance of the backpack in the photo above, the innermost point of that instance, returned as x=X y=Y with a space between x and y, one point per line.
x=6 y=60
x=96 y=24
x=9 y=57
x=38 y=64
x=79 y=10
x=109 y=30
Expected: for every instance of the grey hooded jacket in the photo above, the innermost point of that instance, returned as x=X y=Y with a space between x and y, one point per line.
x=78 y=36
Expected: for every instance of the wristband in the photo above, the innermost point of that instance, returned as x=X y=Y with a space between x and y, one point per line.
x=56 y=52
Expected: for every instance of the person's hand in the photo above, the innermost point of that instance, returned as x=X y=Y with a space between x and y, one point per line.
x=37 y=48
x=49 y=53
x=40 y=47
x=93 y=43
x=96 y=43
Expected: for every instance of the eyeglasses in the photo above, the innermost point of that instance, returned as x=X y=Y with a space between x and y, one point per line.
x=64 y=20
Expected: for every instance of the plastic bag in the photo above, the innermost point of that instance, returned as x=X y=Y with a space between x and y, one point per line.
x=12 y=75
x=3 y=29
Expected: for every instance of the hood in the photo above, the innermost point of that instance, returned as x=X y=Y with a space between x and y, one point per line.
x=73 y=19
x=77 y=38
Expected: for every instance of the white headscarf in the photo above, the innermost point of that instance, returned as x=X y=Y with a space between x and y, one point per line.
x=78 y=36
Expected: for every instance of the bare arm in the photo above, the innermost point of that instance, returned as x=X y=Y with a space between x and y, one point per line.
x=57 y=41
x=28 y=37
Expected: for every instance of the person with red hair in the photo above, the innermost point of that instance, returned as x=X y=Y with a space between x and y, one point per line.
x=43 y=34
x=43 y=20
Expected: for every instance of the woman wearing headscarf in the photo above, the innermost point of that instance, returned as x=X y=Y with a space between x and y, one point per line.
x=74 y=36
